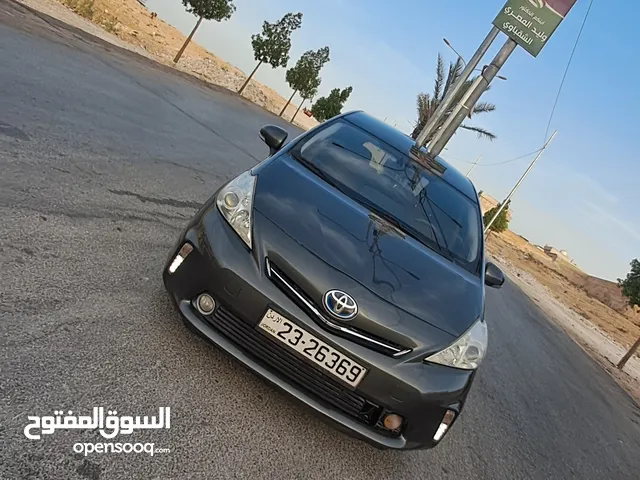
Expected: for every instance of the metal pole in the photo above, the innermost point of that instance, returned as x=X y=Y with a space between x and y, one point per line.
x=442 y=136
x=437 y=116
x=473 y=166
x=506 y=200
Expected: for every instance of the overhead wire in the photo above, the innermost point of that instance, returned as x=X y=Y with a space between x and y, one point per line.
x=493 y=164
x=566 y=71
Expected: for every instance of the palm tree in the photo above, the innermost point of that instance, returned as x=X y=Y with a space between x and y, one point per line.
x=427 y=104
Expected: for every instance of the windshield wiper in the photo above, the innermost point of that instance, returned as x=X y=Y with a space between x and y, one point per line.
x=432 y=205
x=311 y=166
x=349 y=150
x=444 y=250
x=423 y=195
x=405 y=227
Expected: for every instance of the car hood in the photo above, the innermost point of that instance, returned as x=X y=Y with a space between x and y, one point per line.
x=352 y=242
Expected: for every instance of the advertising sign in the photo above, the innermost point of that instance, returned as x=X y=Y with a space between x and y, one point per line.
x=532 y=22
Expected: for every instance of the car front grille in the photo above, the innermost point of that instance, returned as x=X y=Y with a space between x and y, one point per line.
x=296 y=294
x=284 y=363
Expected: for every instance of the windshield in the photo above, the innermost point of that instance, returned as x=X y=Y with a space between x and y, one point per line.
x=397 y=188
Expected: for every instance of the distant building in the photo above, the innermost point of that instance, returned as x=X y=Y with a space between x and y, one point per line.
x=487 y=202
x=556 y=254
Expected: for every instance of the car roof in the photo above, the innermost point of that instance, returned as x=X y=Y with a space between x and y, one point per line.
x=404 y=143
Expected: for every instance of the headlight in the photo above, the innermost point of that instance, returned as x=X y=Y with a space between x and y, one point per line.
x=467 y=352
x=235 y=202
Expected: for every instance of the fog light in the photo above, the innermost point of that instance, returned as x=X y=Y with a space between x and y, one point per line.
x=205 y=304
x=444 y=425
x=392 y=421
x=179 y=258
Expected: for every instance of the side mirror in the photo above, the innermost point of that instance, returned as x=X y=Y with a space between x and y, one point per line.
x=493 y=276
x=274 y=137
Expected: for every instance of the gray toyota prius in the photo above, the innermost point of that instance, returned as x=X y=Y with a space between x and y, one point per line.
x=348 y=269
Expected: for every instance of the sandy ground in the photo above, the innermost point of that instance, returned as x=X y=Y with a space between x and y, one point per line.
x=601 y=331
x=128 y=24
x=599 y=301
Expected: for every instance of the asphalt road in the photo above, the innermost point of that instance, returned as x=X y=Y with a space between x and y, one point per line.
x=103 y=158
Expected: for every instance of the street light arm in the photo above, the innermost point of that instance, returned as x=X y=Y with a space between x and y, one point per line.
x=455 y=51
x=448 y=44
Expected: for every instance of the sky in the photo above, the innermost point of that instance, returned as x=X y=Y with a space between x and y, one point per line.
x=582 y=196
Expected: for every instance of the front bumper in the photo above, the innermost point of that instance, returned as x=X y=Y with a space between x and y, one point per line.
x=235 y=277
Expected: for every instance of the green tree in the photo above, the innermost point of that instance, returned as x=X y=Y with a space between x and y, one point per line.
x=217 y=10
x=273 y=44
x=502 y=222
x=305 y=72
x=428 y=103
x=631 y=285
x=328 y=107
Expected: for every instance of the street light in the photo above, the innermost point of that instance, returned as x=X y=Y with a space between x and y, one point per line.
x=463 y=60
x=454 y=51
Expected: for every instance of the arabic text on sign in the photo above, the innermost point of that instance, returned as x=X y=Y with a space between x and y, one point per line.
x=518 y=32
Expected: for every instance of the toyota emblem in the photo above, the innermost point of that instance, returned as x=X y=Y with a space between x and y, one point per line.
x=341 y=305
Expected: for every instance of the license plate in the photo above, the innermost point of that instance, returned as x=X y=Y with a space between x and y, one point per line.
x=331 y=360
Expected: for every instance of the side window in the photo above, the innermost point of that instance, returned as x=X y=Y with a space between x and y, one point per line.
x=317 y=141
